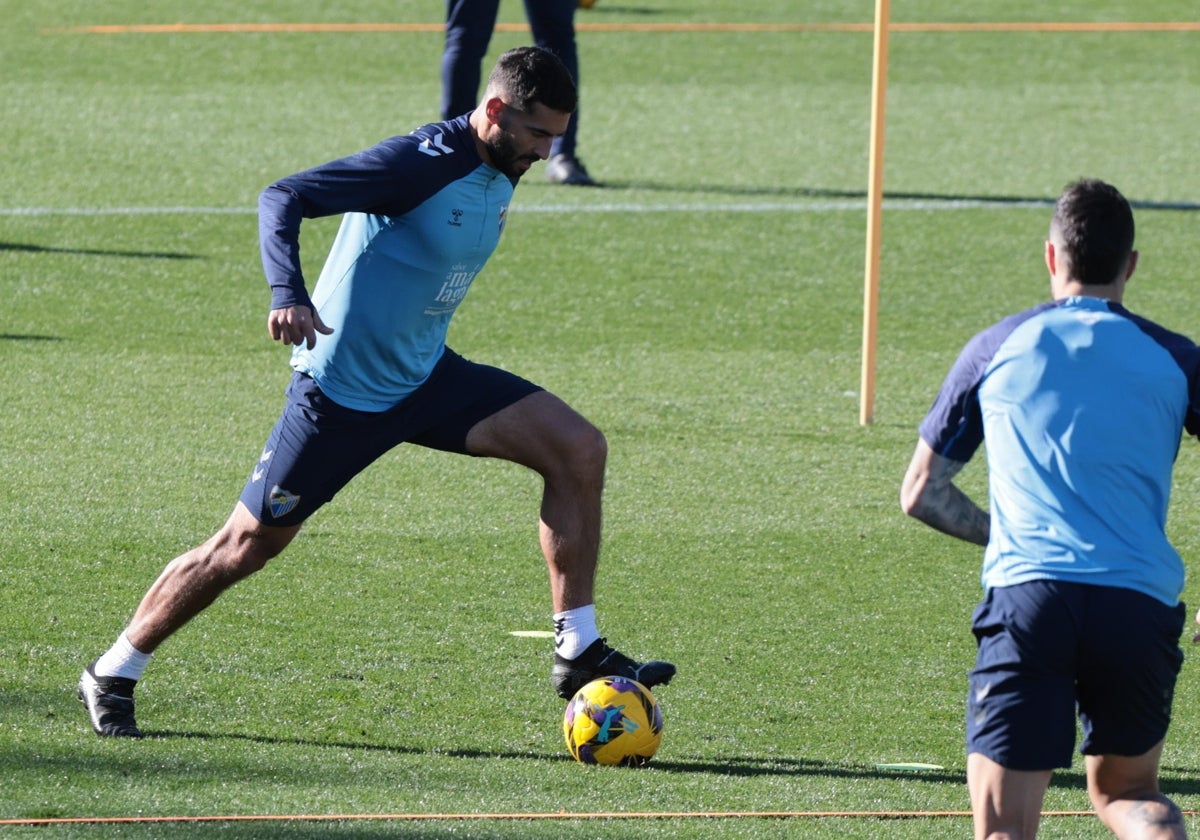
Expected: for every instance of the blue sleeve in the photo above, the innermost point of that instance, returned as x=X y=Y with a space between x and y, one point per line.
x=388 y=179
x=1185 y=353
x=953 y=428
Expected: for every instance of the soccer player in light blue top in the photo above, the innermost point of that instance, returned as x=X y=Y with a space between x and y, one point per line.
x=421 y=215
x=1082 y=405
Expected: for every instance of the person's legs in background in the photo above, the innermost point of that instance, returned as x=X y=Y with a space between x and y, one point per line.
x=553 y=25
x=469 y=25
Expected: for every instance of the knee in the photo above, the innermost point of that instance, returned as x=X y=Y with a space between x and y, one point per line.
x=226 y=566
x=1103 y=798
x=1117 y=778
x=245 y=563
x=234 y=554
x=553 y=27
x=583 y=451
x=465 y=46
x=467 y=36
x=591 y=446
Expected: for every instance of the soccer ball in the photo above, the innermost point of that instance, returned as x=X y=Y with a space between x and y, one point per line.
x=613 y=720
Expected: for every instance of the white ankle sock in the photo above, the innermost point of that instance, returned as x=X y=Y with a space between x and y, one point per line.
x=574 y=630
x=122 y=660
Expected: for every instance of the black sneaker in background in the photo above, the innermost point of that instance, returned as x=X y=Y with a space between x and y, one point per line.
x=599 y=660
x=109 y=703
x=563 y=169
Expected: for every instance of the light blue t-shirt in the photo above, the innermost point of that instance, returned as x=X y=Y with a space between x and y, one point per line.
x=1082 y=405
x=422 y=215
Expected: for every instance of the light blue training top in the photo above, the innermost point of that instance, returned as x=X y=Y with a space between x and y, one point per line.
x=423 y=213
x=1082 y=404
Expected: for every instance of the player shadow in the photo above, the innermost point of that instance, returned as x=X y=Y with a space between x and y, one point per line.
x=365 y=746
x=28 y=337
x=755 y=766
x=96 y=252
x=775 y=766
x=582 y=18
x=743 y=766
x=733 y=766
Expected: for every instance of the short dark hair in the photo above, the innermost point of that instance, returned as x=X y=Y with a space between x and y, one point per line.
x=1094 y=224
x=528 y=75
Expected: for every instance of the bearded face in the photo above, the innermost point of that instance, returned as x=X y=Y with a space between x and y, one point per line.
x=508 y=156
x=516 y=139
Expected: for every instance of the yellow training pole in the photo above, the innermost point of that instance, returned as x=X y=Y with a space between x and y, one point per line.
x=866 y=412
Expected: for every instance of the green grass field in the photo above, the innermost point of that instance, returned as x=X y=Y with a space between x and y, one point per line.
x=704 y=309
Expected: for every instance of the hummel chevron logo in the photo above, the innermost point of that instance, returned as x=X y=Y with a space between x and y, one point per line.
x=434 y=147
x=259 y=470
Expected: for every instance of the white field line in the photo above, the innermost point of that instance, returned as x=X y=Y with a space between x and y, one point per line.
x=922 y=204
x=705 y=207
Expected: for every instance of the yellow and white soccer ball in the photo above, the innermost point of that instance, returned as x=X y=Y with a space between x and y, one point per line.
x=613 y=720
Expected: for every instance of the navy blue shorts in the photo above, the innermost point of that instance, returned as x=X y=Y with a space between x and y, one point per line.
x=1049 y=649
x=317 y=446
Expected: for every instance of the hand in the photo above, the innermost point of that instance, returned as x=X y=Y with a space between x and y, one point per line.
x=296 y=324
x=1196 y=635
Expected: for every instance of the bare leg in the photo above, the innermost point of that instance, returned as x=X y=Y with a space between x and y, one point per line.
x=1007 y=804
x=543 y=433
x=193 y=580
x=1124 y=792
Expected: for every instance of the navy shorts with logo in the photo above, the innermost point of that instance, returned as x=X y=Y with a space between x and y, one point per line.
x=317 y=445
x=1049 y=649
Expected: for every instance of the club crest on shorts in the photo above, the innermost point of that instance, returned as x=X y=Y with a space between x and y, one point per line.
x=282 y=502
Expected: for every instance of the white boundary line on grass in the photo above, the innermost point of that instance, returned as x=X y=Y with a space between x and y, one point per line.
x=623 y=207
x=922 y=204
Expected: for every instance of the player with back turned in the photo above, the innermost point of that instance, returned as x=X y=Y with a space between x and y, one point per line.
x=422 y=214
x=1082 y=405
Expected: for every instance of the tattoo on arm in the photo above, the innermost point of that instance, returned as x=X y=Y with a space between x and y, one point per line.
x=952 y=510
x=939 y=503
